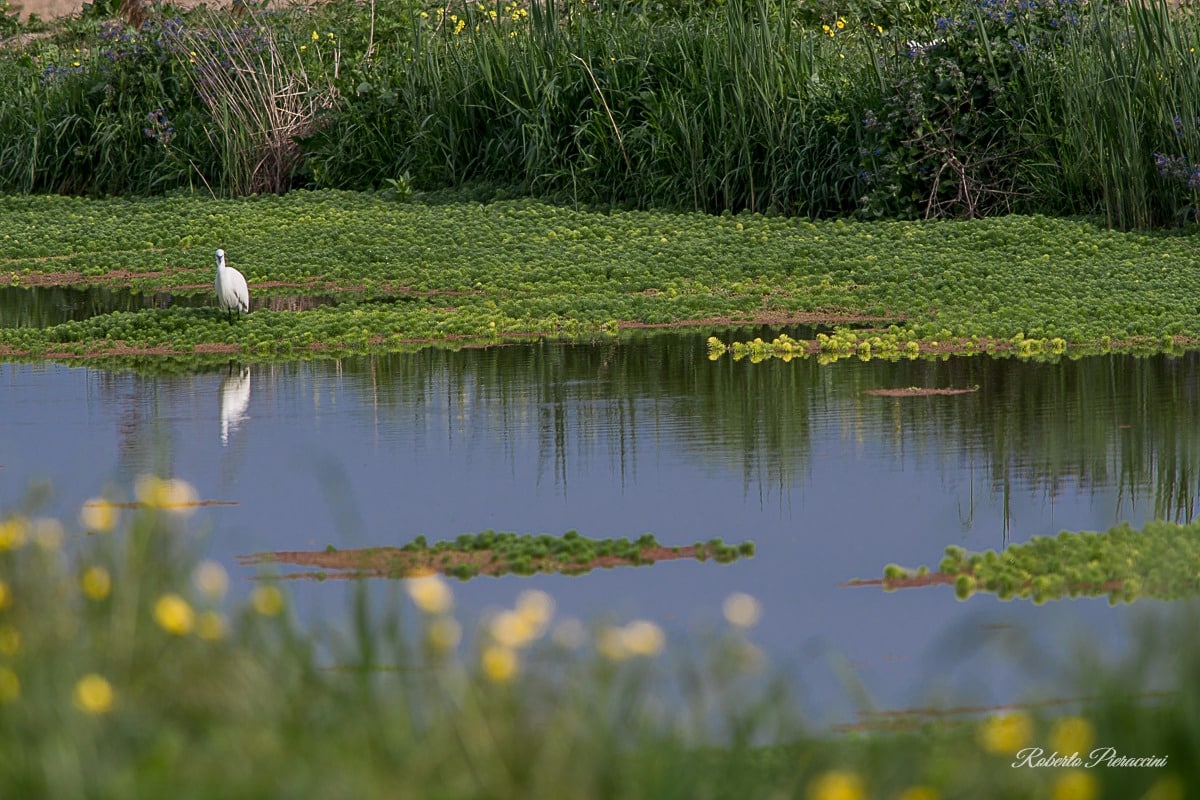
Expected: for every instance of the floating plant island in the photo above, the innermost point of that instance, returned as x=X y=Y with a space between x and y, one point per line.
x=1160 y=561
x=496 y=553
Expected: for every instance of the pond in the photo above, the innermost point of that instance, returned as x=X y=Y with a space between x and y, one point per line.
x=646 y=434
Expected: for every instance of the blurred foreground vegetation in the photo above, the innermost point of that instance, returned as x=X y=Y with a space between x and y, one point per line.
x=126 y=670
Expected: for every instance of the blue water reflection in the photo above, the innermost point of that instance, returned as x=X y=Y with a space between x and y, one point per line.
x=648 y=435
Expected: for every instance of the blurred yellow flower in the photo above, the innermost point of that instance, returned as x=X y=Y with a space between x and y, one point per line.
x=48 y=533
x=836 y=785
x=5 y=596
x=742 y=610
x=10 y=685
x=267 y=600
x=638 y=638
x=174 y=615
x=174 y=495
x=210 y=626
x=841 y=23
x=536 y=607
x=1005 y=735
x=919 y=793
x=99 y=515
x=644 y=638
x=1076 y=784
x=430 y=593
x=96 y=583
x=210 y=579
x=444 y=634
x=13 y=532
x=512 y=630
x=94 y=695
x=10 y=640
x=315 y=36
x=611 y=644
x=1071 y=735
x=499 y=663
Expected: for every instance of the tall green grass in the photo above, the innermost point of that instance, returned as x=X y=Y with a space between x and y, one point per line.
x=1057 y=107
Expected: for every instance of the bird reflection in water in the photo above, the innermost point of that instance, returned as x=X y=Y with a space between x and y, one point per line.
x=235 y=399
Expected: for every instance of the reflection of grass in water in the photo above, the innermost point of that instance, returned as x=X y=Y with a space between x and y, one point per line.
x=492 y=553
x=125 y=670
x=1161 y=561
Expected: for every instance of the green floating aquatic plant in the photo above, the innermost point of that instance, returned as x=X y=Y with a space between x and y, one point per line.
x=1161 y=561
x=499 y=553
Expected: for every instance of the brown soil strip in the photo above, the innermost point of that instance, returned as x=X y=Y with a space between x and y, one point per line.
x=917 y=391
x=941 y=578
x=394 y=562
x=72 y=278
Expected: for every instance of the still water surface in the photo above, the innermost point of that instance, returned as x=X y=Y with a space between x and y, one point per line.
x=649 y=435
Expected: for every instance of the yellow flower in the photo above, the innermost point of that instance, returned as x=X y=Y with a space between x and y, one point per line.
x=742 y=610
x=210 y=626
x=10 y=685
x=430 y=593
x=330 y=35
x=174 y=495
x=211 y=579
x=499 y=663
x=1007 y=734
x=94 y=695
x=13 y=532
x=303 y=47
x=841 y=23
x=511 y=630
x=174 y=615
x=99 y=515
x=918 y=793
x=96 y=582
x=836 y=785
x=315 y=36
x=267 y=600
x=611 y=644
x=1075 y=785
x=536 y=608
x=644 y=638
x=10 y=641
x=5 y=596
x=1071 y=735
x=444 y=634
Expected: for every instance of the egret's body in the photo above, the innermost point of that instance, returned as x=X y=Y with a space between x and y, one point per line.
x=232 y=292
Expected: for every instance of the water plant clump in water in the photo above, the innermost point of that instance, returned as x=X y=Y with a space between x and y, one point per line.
x=1161 y=562
x=498 y=553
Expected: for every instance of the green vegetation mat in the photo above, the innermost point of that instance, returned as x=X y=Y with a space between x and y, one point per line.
x=497 y=553
x=412 y=274
x=1161 y=561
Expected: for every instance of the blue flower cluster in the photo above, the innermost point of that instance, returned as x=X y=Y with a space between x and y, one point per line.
x=160 y=128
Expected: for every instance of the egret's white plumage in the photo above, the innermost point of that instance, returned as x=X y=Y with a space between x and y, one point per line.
x=232 y=292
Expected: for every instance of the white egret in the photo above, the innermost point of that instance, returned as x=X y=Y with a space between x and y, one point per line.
x=232 y=292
